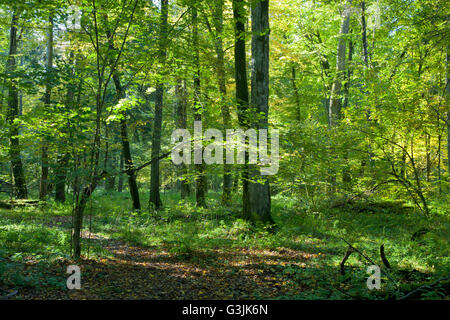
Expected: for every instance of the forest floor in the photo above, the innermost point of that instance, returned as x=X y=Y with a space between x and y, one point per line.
x=189 y=253
x=134 y=272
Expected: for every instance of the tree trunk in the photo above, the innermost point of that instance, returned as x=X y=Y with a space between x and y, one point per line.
x=259 y=188
x=132 y=185
x=120 y=182
x=296 y=94
x=63 y=156
x=335 y=97
x=13 y=109
x=428 y=156
x=334 y=112
x=43 y=188
x=364 y=33
x=60 y=173
x=181 y=114
x=109 y=182
x=155 y=197
x=225 y=110
x=126 y=149
x=200 y=176
x=242 y=96
x=447 y=94
x=346 y=175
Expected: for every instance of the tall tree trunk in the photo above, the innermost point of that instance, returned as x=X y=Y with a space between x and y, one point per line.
x=428 y=156
x=13 y=109
x=200 y=176
x=335 y=97
x=181 y=123
x=120 y=182
x=126 y=149
x=225 y=110
x=109 y=182
x=364 y=33
x=43 y=188
x=63 y=156
x=60 y=174
x=259 y=188
x=242 y=96
x=447 y=95
x=155 y=197
x=296 y=94
x=346 y=176
x=334 y=112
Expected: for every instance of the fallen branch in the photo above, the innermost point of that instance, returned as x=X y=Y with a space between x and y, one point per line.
x=421 y=288
x=350 y=250
x=9 y=295
x=360 y=194
x=383 y=257
x=370 y=260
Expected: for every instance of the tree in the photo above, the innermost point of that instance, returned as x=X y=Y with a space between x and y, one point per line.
x=200 y=175
x=242 y=96
x=43 y=188
x=335 y=97
x=13 y=111
x=259 y=187
x=181 y=123
x=155 y=197
x=102 y=82
x=126 y=149
x=218 y=34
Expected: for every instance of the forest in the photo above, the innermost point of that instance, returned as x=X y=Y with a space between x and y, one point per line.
x=224 y=149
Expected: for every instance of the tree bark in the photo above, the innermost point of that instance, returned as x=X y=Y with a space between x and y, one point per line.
x=335 y=97
x=155 y=197
x=447 y=94
x=259 y=188
x=200 y=176
x=242 y=96
x=225 y=110
x=120 y=182
x=20 y=186
x=296 y=94
x=346 y=175
x=334 y=112
x=63 y=156
x=181 y=123
x=43 y=188
x=126 y=149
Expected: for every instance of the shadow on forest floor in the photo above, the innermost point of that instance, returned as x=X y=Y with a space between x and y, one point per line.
x=151 y=273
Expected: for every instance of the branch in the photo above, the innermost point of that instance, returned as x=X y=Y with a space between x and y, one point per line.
x=368 y=259
x=426 y=286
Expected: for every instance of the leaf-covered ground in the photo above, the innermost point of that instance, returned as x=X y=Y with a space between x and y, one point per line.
x=184 y=253
x=150 y=273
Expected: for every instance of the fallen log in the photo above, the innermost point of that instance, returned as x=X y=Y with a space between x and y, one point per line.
x=10 y=204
